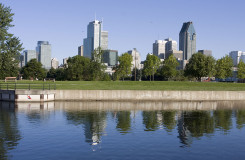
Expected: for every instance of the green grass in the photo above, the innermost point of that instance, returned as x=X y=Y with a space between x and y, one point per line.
x=143 y=85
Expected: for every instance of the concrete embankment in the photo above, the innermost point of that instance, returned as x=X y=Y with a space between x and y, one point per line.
x=118 y=95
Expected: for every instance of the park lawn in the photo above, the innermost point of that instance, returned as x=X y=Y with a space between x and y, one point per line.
x=142 y=85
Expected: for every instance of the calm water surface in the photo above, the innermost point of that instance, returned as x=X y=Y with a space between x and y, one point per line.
x=122 y=130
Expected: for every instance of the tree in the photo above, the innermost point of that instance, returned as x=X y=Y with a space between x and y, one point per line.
x=200 y=65
x=241 y=70
x=151 y=65
x=78 y=68
x=169 y=67
x=224 y=67
x=124 y=67
x=10 y=46
x=33 y=70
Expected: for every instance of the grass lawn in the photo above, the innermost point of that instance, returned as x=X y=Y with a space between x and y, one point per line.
x=143 y=85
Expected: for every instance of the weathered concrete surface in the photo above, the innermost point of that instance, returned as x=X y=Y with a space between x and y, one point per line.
x=132 y=95
x=121 y=95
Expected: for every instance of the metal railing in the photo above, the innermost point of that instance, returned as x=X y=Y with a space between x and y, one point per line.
x=27 y=86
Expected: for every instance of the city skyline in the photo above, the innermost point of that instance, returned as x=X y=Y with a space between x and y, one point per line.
x=137 y=27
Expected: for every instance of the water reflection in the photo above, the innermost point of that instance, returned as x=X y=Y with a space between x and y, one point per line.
x=94 y=124
x=9 y=132
x=188 y=122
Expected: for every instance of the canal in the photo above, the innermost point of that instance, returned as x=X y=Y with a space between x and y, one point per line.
x=122 y=130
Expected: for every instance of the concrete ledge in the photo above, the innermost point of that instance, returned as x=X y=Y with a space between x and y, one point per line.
x=142 y=95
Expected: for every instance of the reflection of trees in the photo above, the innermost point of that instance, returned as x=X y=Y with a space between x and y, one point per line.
x=150 y=120
x=223 y=119
x=194 y=124
x=168 y=120
x=240 y=118
x=9 y=133
x=123 y=121
x=94 y=123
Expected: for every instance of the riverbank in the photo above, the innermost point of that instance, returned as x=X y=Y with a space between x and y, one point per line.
x=118 y=95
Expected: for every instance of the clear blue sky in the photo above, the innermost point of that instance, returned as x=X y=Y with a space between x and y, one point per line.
x=219 y=24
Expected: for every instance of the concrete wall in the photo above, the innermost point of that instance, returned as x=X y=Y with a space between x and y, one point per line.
x=119 y=95
x=129 y=95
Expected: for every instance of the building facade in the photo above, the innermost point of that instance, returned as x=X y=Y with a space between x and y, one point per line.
x=187 y=40
x=136 y=58
x=80 y=50
x=205 y=52
x=170 y=45
x=54 y=63
x=28 y=55
x=110 y=57
x=159 y=48
x=43 y=50
x=177 y=54
x=237 y=56
x=95 y=38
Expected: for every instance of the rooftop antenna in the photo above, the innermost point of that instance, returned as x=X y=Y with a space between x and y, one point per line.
x=94 y=16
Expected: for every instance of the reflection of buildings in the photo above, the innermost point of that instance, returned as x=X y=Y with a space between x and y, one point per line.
x=184 y=134
x=94 y=124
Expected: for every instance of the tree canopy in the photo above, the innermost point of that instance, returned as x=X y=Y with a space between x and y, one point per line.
x=124 y=68
x=169 y=69
x=224 y=67
x=151 y=65
x=241 y=70
x=33 y=70
x=10 y=46
x=199 y=66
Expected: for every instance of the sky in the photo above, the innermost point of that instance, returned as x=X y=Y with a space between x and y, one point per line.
x=219 y=24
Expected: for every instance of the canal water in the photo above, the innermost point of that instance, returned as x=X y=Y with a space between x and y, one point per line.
x=122 y=130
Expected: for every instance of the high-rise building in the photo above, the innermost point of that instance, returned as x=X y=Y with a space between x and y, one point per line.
x=177 y=54
x=205 y=52
x=159 y=48
x=54 y=63
x=44 y=53
x=187 y=40
x=22 y=61
x=136 y=58
x=65 y=61
x=28 y=55
x=110 y=57
x=95 y=38
x=170 y=45
x=80 y=50
x=237 y=56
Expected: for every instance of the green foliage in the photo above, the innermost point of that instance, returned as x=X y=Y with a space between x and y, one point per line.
x=33 y=70
x=78 y=68
x=97 y=55
x=241 y=70
x=10 y=46
x=82 y=68
x=151 y=65
x=58 y=74
x=169 y=67
x=224 y=67
x=200 y=65
x=124 y=68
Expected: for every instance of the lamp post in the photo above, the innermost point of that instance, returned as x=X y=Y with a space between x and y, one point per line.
x=135 y=65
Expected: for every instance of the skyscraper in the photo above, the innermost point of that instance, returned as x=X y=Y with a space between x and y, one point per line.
x=187 y=40
x=170 y=45
x=28 y=55
x=205 y=52
x=237 y=56
x=95 y=38
x=44 y=53
x=54 y=63
x=80 y=50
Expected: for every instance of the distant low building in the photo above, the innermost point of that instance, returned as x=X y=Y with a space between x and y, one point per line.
x=205 y=52
x=177 y=54
x=237 y=56
x=110 y=57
